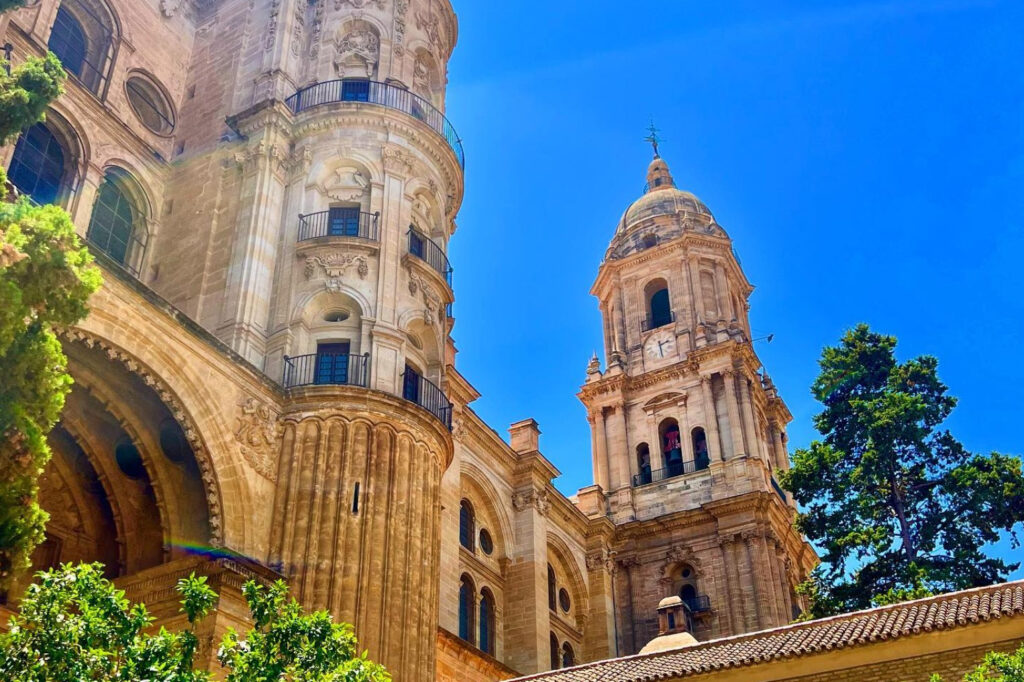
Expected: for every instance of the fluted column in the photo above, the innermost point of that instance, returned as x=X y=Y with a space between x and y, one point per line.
x=732 y=405
x=749 y=423
x=600 y=445
x=358 y=504
x=715 y=450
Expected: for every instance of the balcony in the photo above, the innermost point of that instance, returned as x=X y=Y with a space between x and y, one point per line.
x=655 y=321
x=382 y=94
x=340 y=223
x=326 y=369
x=431 y=254
x=671 y=471
x=697 y=604
x=417 y=389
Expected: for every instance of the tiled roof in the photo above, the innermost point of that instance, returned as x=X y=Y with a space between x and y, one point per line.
x=943 y=612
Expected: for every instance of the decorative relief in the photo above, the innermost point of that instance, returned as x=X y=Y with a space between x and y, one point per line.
x=401 y=7
x=275 y=11
x=334 y=266
x=298 y=27
x=421 y=77
x=431 y=300
x=359 y=4
x=316 y=31
x=535 y=497
x=347 y=183
x=170 y=7
x=428 y=23
x=257 y=436
x=357 y=53
x=60 y=504
x=398 y=160
x=680 y=555
x=177 y=410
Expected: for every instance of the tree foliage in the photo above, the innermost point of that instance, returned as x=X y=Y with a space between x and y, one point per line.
x=46 y=277
x=26 y=92
x=75 y=625
x=897 y=505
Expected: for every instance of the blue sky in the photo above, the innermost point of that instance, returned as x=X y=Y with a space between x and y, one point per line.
x=867 y=158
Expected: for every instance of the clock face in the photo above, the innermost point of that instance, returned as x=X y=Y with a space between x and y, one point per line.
x=661 y=345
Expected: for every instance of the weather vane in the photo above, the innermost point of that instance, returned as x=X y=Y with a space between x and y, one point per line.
x=654 y=139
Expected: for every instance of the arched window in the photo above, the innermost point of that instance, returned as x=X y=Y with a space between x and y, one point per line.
x=467 y=525
x=568 y=657
x=466 y=608
x=117 y=226
x=487 y=629
x=39 y=165
x=643 y=462
x=659 y=308
x=671 y=448
x=551 y=588
x=553 y=641
x=82 y=37
x=701 y=460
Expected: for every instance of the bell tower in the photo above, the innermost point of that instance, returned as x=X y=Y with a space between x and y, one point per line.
x=687 y=428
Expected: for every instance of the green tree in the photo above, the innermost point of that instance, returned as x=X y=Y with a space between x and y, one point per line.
x=75 y=625
x=897 y=506
x=997 y=667
x=46 y=277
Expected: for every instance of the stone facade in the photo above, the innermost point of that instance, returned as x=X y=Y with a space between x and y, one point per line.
x=270 y=187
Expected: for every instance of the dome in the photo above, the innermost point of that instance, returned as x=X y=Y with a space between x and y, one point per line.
x=663 y=213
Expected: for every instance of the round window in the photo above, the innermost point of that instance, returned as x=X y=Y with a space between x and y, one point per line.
x=150 y=105
x=687 y=572
x=172 y=442
x=486 y=543
x=563 y=600
x=129 y=461
x=336 y=316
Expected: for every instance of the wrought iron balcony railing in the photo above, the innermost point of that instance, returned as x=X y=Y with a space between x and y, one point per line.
x=698 y=604
x=339 y=223
x=383 y=94
x=671 y=471
x=417 y=389
x=655 y=321
x=327 y=369
x=430 y=253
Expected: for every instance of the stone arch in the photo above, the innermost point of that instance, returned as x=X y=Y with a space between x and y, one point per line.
x=308 y=303
x=221 y=482
x=482 y=493
x=570 y=574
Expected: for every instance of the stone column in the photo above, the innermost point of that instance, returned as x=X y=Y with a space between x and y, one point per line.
x=632 y=566
x=749 y=422
x=725 y=311
x=357 y=520
x=715 y=450
x=599 y=635
x=600 y=448
x=732 y=405
x=741 y=600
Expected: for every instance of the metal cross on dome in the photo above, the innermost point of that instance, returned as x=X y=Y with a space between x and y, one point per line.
x=654 y=139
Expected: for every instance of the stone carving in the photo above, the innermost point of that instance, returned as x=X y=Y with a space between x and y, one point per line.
x=177 y=410
x=64 y=512
x=431 y=300
x=401 y=7
x=428 y=23
x=275 y=11
x=421 y=78
x=257 y=436
x=357 y=53
x=348 y=184
x=316 y=32
x=298 y=27
x=398 y=160
x=677 y=555
x=359 y=4
x=170 y=7
x=334 y=266
x=534 y=497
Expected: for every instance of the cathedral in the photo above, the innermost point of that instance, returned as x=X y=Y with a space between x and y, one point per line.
x=266 y=385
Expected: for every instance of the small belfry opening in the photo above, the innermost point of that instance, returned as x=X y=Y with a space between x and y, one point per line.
x=671 y=448
x=701 y=460
x=659 y=307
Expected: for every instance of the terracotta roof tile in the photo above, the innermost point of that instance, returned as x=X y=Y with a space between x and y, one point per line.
x=945 y=611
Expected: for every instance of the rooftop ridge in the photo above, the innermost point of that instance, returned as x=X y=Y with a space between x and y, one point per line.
x=878 y=623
